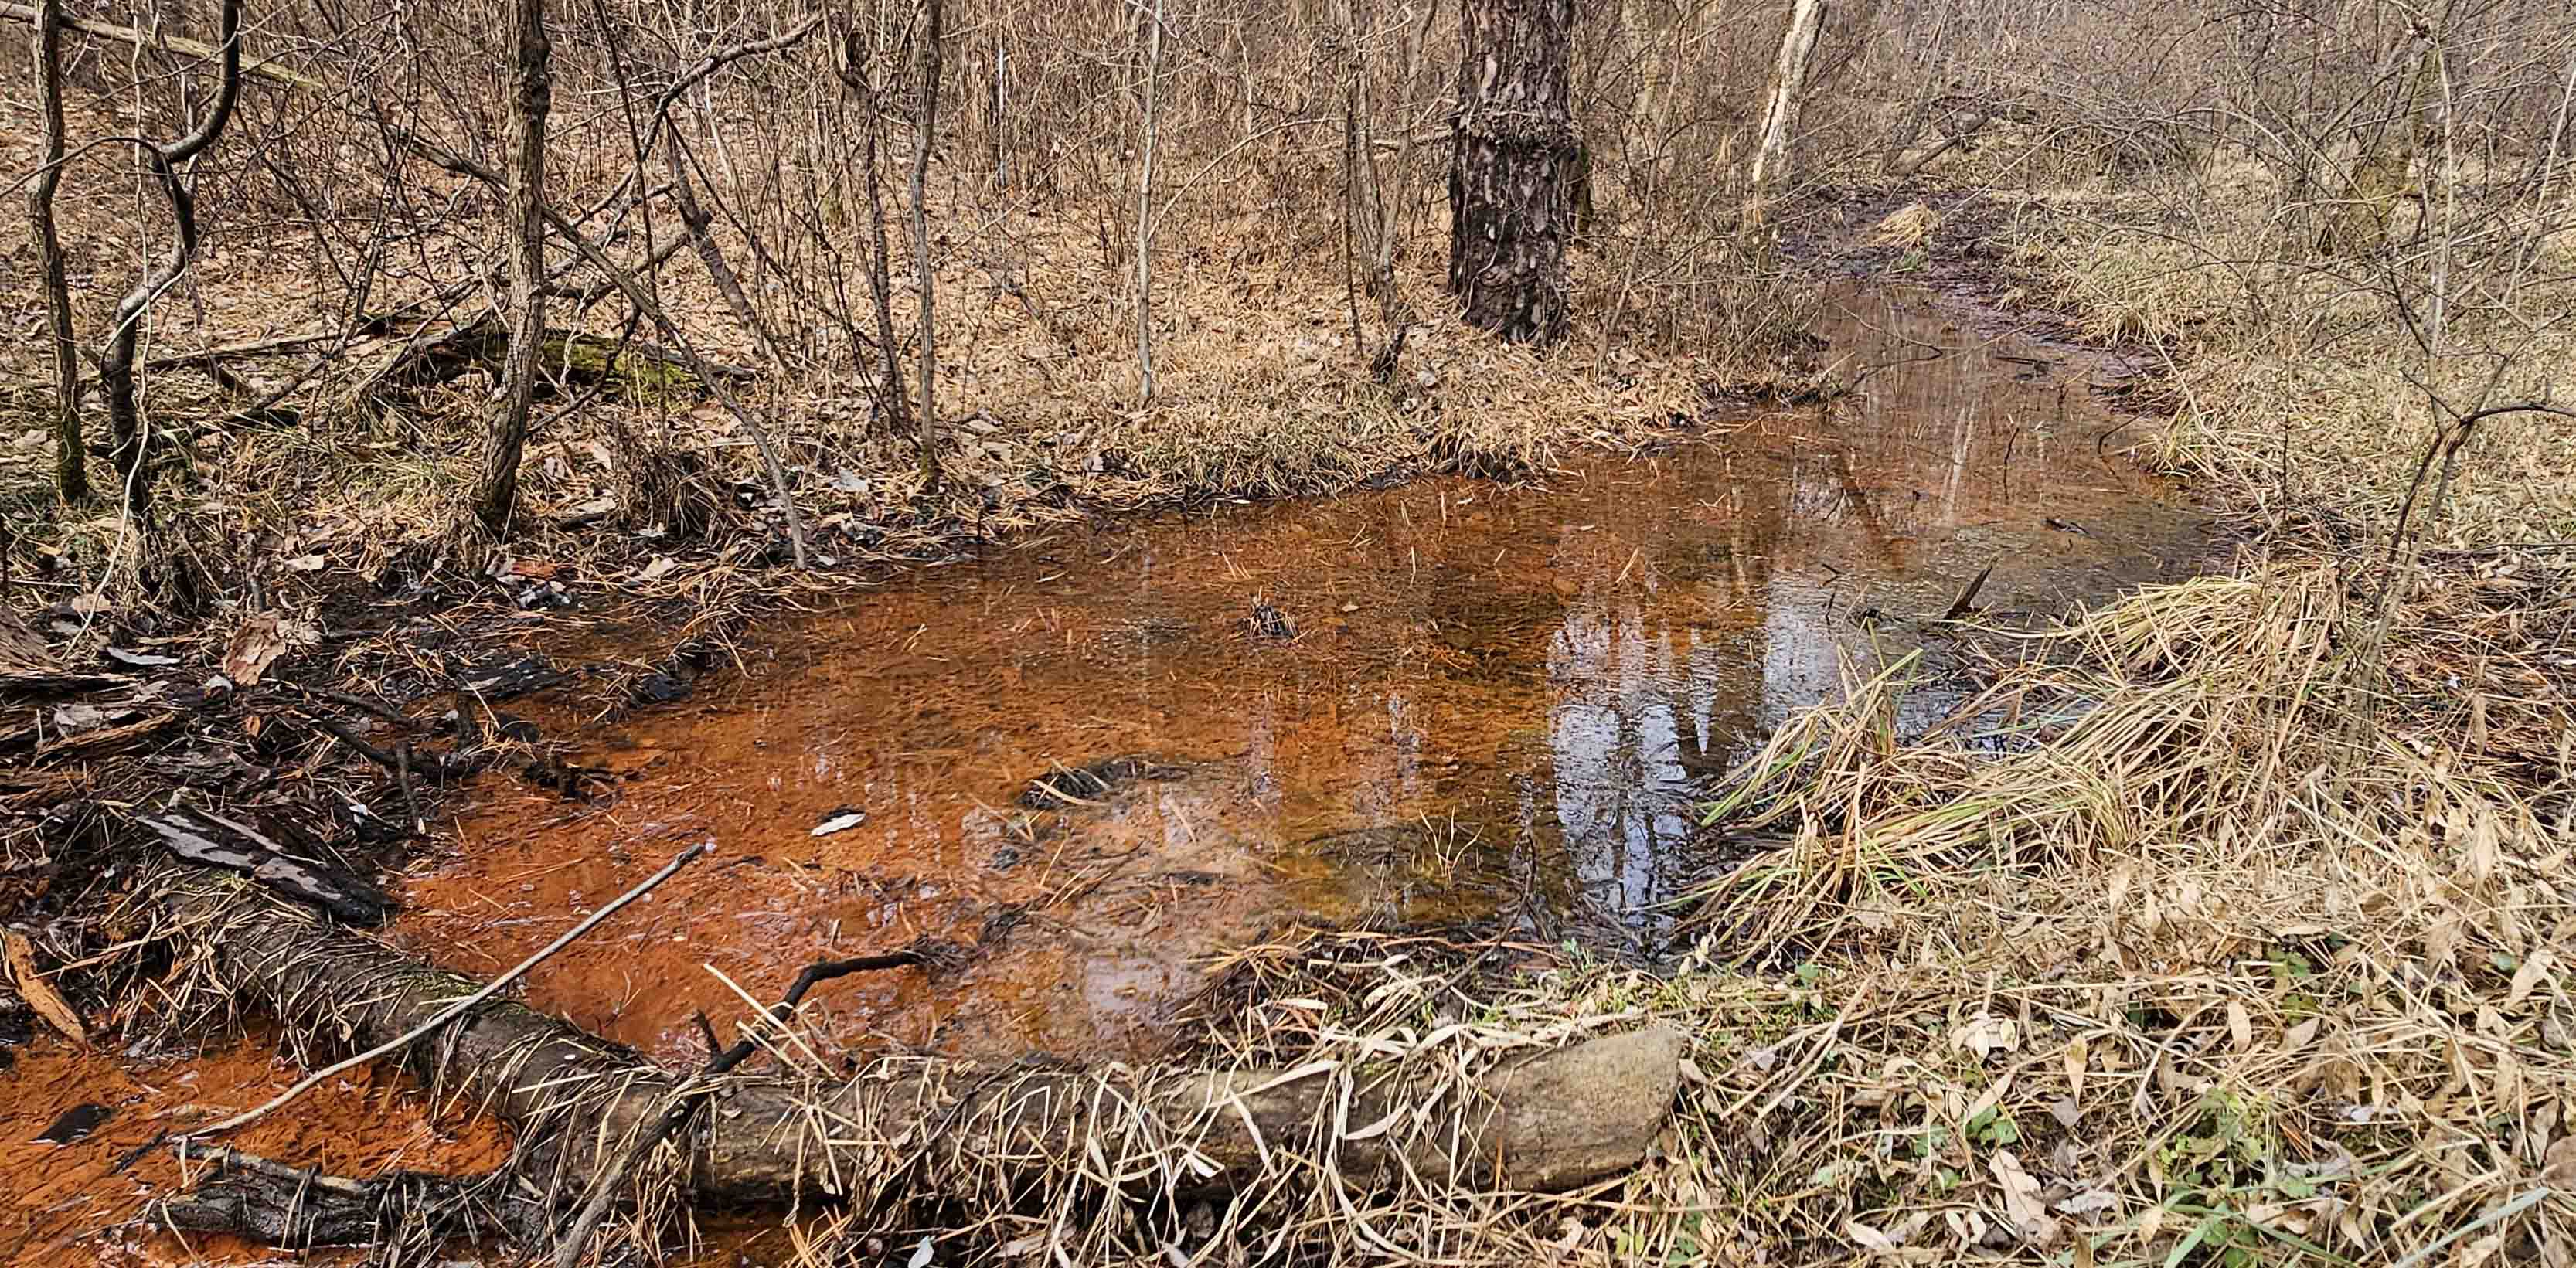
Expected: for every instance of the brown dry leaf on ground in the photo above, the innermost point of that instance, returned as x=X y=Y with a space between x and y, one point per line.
x=255 y=646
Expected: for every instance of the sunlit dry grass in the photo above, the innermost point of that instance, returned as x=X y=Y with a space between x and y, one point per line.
x=2231 y=925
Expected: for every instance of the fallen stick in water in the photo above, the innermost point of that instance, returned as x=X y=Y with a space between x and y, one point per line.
x=903 y=1124
x=425 y=1028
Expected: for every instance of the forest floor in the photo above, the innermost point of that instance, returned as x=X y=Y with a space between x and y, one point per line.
x=2186 y=960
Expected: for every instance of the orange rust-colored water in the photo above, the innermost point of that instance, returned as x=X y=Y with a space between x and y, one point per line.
x=68 y=1204
x=1495 y=705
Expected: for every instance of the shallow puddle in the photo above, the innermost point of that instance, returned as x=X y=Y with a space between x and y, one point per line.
x=81 y=1199
x=1446 y=701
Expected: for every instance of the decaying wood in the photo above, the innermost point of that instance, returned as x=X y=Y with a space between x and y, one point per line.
x=607 y=1186
x=40 y=994
x=215 y=841
x=427 y=1028
x=1552 y=1121
x=273 y=1204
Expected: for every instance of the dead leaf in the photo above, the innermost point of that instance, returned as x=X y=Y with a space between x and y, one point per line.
x=1986 y=1033
x=255 y=646
x=2240 y=1026
x=2558 y=1166
x=2300 y=1035
x=72 y=719
x=39 y=993
x=659 y=568
x=2442 y=940
x=306 y=563
x=2021 y=1192
x=1870 y=1239
x=90 y=604
x=2533 y=972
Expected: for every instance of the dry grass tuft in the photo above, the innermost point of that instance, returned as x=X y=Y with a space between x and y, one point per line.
x=2149 y=948
x=1908 y=226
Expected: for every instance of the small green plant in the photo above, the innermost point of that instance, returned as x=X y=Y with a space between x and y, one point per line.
x=1994 y=1129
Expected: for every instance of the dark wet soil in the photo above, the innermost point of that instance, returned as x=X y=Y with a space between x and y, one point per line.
x=1086 y=763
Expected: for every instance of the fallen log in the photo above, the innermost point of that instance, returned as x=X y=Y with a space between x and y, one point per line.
x=897 y=1126
x=271 y=1204
x=214 y=841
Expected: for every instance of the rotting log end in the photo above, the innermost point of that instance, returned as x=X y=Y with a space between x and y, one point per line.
x=1588 y=1111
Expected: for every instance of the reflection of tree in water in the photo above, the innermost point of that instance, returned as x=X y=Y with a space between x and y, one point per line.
x=1652 y=688
x=1614 y=733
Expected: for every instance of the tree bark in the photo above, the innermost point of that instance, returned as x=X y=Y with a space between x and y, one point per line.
x=1145 y=213
x=895 y=399
x=1780 y=117
x=1511 y=166
x=496 y=493
x=922 y=139
x=1554 y=1120
x=116 y=369
x=71 y=464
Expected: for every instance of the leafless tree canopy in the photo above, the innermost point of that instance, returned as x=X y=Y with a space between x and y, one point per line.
x=734 y=197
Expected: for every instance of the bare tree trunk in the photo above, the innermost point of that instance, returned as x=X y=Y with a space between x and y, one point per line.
x=1382 y=260
x=496 y=494
x=1512 y=158
x=1001 y=111
x=1780 y=117
x=856 y=50
x=923 y=136
x=116 y=369
x=1354 y=187
x=1145 y=213
x=71 y=466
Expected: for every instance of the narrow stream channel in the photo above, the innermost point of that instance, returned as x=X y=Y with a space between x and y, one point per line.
x=1445 y=701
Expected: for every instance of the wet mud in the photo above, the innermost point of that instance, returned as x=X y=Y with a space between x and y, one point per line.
x=1086 y=763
